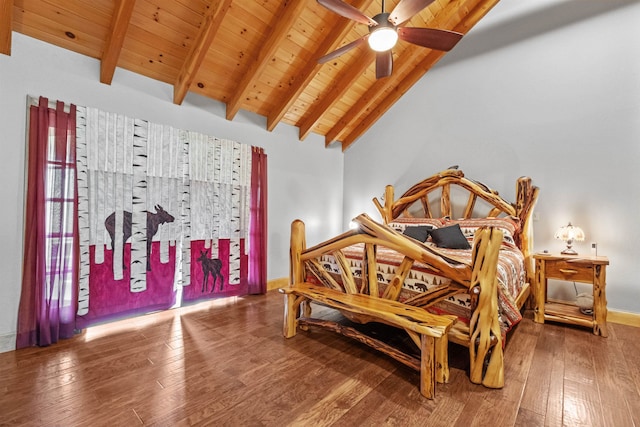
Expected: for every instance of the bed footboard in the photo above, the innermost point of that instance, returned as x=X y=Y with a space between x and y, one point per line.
x=362 y=303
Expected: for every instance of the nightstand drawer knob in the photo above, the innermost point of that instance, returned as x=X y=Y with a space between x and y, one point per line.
x=567 y=271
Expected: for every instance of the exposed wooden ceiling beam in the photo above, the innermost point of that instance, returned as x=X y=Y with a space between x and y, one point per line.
x=115 y=39
x=336 y=33
x=211 y=23
x=333 y=95
x=287 y=16
x=475 y=14
x=6 y=26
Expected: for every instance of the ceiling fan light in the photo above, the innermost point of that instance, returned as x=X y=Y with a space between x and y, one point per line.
x=383 y=39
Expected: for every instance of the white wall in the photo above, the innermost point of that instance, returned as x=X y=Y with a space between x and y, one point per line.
x=294 y=167
x=548 y=89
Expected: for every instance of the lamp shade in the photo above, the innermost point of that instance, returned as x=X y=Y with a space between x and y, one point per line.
x=383 y=39
x=383 y=36
x=569 y=233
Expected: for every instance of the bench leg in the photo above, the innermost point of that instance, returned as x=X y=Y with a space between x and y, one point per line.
x=442 y=359
x=305 y=308
x=427 y=367
x=291 y=308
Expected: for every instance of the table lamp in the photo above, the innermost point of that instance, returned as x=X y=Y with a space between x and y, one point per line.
x=569 y=233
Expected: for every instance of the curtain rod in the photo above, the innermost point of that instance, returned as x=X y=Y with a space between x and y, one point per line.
x=35 y=101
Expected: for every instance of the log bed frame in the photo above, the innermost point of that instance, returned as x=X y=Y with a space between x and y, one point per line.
x=358 y=300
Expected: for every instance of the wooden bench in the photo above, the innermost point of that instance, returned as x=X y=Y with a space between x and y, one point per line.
x=428 y=331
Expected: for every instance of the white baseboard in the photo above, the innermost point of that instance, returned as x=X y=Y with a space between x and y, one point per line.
x=7 y=343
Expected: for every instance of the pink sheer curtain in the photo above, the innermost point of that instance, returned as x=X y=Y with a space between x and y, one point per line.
x=48 y=302
x=258 y=223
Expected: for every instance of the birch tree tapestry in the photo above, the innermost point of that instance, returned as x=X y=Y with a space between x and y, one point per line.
x=163 y=212
x=219 y=191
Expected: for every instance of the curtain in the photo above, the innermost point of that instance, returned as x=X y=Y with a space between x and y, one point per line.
x=258 y=223
x=48 y=300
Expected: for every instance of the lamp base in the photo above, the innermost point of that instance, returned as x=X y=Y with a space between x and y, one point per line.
x=569 y=251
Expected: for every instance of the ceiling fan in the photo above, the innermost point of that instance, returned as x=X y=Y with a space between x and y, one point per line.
x=385 y=30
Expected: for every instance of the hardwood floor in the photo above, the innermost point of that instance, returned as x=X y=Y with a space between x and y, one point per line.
x=226 y=363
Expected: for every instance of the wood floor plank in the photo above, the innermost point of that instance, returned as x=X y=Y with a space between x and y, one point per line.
x=539 y=378
x=395 y=402
x=226 y=363
x=625 y=356
x=555 y=400
x=614 y=383
x=579 y=367
x=581 y=405
x=520 y=345
x=527 y=418
x=322 y=379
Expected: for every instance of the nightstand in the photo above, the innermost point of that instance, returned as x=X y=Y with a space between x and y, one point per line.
x=571 y=268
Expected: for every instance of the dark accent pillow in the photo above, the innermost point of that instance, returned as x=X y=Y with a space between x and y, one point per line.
x=418 y=232
x=450 y=237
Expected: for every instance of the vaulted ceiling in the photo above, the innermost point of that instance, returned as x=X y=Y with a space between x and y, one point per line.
x=254 y=55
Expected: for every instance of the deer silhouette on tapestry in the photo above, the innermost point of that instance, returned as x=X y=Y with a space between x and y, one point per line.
x=211 y=267
x=154 y=220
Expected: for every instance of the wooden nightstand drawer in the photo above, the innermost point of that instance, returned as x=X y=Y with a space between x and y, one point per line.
x=570 y=271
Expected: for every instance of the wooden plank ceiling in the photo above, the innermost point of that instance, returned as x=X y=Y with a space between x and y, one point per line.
x=254 y=55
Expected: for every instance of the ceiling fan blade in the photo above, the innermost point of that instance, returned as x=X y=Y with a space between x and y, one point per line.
x=406 y=9
x=430 y=37
x=344 y=49
x=346 y=10
x=384 y=64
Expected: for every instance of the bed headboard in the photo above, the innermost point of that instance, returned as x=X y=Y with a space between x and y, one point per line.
x=432 y=198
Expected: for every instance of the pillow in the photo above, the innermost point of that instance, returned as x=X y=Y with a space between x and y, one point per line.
x=399 y=224
x=450 y=237
x=509 y=226
x=418 y=232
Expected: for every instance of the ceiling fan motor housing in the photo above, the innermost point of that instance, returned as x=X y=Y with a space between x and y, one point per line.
x=383 y=36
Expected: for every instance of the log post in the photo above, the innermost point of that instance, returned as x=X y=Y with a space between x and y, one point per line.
x=485 y=344
x=539 y=291
x=599 y=301
x=296 y=275
x=386 y=211
x=369 y=271
x=526 y=197
x=445 y=201
x=442 y=359
x=427 y=365
x=291 y=308
x=298 y=245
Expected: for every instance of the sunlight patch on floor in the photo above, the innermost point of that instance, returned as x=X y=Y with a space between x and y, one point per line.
x=146 y=320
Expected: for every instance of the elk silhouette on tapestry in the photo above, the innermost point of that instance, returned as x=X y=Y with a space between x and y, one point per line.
x=154 y=220
x=211 y=267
